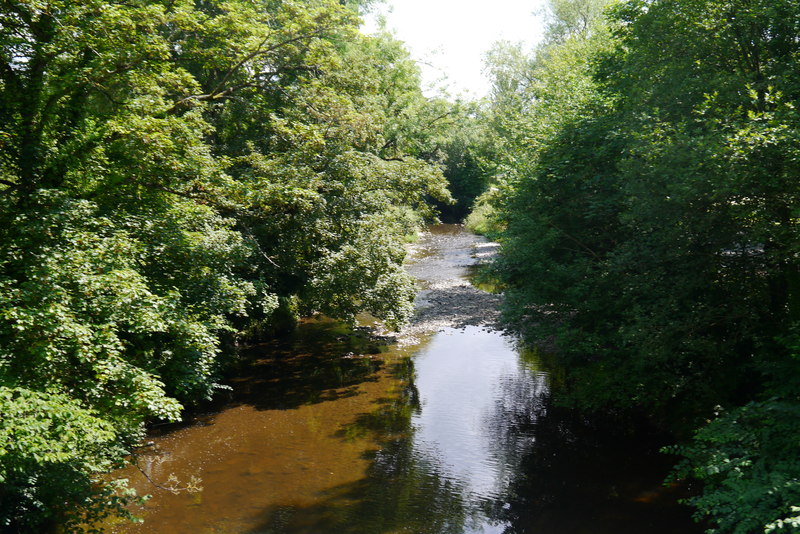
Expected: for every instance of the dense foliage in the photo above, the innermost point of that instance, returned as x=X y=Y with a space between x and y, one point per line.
x=649 y=179
x=171 y=173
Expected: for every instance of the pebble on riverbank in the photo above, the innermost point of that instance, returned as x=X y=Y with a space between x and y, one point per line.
x=454 y=302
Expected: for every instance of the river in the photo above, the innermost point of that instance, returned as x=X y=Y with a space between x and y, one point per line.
x=449 y=429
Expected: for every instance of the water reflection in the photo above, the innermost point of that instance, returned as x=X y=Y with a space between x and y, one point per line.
x=447 y=452
x=471 y=386
x=471 y=443
x=401 y=491
x=280 y=442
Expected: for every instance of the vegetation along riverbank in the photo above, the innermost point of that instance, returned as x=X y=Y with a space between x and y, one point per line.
x=177 y=177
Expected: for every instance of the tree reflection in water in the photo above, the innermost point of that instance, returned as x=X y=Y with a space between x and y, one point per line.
x=584 y=474
x=549 y=470
x=402 y=491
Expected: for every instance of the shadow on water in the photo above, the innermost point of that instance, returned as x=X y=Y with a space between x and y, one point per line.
x=399 y=494
x=580 y=474
x=561 y=474
x=401 y=491
x=390 y=421
x=309 y=421
x=592 y=477
x=321 y=362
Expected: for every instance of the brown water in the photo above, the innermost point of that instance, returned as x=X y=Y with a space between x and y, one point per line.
x=334 y=432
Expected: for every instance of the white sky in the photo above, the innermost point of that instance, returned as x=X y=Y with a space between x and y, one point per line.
x=454 y=35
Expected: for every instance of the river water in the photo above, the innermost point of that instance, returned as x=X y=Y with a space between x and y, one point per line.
x=451 y=430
